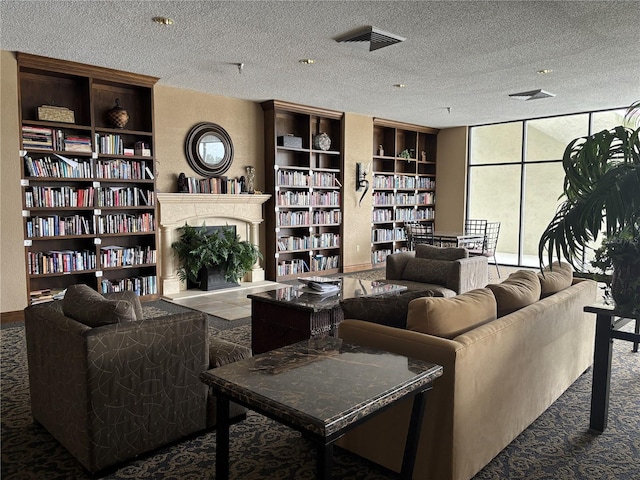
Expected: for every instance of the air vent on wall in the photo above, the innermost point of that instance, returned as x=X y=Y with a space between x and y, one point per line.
x=375 y=37
x=531 y=95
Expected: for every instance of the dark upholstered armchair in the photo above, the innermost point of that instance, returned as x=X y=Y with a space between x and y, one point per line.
x=115 y=390
x=445 y=271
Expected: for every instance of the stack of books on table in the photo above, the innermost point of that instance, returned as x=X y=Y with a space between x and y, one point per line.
x=321 y=285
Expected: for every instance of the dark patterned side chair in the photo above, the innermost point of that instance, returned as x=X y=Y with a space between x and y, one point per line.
x=109 y=385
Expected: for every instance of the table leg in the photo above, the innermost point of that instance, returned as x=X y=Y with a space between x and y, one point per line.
x=324 y=461
x=601 y=374
x=413 y=435
x=222 y=438
x=637 y=332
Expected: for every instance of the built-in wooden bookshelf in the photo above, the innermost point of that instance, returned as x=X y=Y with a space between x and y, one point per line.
x=403 y=184
x=304 y=216
x=88 y=187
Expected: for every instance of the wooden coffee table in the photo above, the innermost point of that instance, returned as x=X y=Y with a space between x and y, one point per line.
x=323 y=388
x=289 y=314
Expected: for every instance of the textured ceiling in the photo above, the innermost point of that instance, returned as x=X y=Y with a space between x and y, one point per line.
x=466 y=55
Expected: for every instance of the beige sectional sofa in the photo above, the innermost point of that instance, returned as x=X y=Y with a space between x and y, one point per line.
x=500 y=373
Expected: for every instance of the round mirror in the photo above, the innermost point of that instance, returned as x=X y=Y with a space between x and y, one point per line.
x=209 y=149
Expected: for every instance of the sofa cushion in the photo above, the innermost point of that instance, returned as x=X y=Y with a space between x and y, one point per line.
x=85 y=305
x=556 y=278
x=450 y=317
x=520 y=289
x=427 y=270
x=390 y=310
x=440 y=253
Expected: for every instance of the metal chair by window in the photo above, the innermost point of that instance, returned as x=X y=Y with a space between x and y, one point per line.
x=490 y=243
x=475 y=227
x=417 y=233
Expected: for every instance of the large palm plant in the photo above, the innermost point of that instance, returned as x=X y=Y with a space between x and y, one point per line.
x=601 y=193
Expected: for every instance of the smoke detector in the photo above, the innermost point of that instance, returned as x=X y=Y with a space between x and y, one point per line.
x=373 y=36
x=531 y=95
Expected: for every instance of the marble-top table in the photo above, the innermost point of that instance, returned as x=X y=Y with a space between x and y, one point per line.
x=292 y=313
x=321 y=387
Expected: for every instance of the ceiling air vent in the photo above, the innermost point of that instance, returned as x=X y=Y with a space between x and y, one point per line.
x=531 y=95
x=375 y=37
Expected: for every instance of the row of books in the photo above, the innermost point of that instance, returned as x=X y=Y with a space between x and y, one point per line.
x=382 y=198
x=323 y=240
x=388 y=235
x=380 y=256
x=321 y=262
x=143 y=285
x=60 y=261
x=318 y=263
x=44 y=138
x=57 y=167
x=217 y=185
x=56 y=226
x=125 y=197
x=321 y=199
x=122 y=223
x=117 y=256
x=403 y=181
x=304 y=218
x=294 y=178
x=124 y=169
x=44 y=197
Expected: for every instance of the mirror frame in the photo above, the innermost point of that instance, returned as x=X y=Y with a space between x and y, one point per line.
x=192 y=149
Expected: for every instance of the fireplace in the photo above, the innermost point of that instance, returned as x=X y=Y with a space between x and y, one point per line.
x=243 y=212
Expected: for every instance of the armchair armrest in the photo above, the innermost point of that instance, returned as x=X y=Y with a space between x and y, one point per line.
x=467 y=274
x=396 y=263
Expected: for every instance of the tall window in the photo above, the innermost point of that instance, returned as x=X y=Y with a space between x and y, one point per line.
x=516 y=176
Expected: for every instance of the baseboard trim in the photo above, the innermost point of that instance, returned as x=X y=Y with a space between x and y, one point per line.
x=357 y=268
x=11 y=317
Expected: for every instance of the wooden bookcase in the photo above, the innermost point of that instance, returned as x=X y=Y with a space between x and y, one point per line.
x=304 y=216
x=403 y=189
x=89 y=210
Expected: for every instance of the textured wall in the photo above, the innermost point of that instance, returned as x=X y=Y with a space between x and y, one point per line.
x=451 y=176
x=13 y=286
x=357 y=219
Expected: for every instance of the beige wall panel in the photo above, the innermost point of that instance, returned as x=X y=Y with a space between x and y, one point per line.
x=13 y=280
x=356 y=243
x=451 y=175
x=177 y=111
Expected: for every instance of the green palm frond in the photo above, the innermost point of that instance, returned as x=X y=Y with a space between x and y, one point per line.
x=601 y=187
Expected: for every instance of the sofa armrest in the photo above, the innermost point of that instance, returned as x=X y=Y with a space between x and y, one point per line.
x=468 y=273
x=396 y=263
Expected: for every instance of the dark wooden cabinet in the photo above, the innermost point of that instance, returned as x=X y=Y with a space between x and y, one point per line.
x=88 y=187
x=304 y=174
x=403 y=184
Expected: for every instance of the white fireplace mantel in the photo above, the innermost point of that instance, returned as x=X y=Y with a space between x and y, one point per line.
x=176 y=209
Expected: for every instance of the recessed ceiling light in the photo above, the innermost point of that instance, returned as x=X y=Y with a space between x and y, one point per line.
x=544 y=71
x=399 y=85
x=163 y=20
x=307 y=61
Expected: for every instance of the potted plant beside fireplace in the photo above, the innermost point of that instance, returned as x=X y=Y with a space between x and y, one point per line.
x=213 y=259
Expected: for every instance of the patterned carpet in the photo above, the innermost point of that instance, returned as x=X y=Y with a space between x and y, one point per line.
x=556 y=446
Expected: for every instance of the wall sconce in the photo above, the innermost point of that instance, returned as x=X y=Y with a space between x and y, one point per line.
x=361 y=180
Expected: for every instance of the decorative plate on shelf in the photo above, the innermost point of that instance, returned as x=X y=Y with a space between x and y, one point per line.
x=321 y=141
